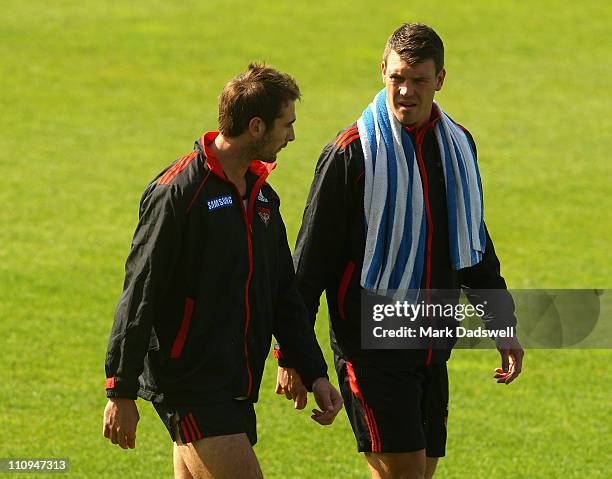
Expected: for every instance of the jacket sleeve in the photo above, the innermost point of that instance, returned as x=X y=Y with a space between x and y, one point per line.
x=321 y=237
x=291 y=325
x=149 y=266
x=321 y=234
x=484 y=284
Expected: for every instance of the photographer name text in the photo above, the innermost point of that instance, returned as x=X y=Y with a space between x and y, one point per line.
x=447 y=332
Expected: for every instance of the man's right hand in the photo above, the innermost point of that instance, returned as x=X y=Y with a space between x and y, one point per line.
x=289 y=382
x=120 y=420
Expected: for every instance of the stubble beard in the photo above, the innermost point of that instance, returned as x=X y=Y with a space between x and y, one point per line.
x=257 y=150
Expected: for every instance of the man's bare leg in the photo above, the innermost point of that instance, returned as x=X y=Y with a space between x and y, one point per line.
x=430 y=467
x=404 y=465
x=180 y=468
x=219 y=457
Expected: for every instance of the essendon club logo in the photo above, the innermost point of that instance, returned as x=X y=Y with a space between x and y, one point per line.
x=264 y=214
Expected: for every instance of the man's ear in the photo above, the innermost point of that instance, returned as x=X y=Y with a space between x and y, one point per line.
x=440 y=79
x=257 y=128
x=383 y=70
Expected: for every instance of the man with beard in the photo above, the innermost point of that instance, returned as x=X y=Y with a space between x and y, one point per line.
x=209 y=279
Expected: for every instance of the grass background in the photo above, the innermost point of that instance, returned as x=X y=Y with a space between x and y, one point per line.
x=97 y=97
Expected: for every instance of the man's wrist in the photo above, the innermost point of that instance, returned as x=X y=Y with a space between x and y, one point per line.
x=111 y=394
x=118 y=399
x=511 y=342
x=284 y=363
x=319 y=379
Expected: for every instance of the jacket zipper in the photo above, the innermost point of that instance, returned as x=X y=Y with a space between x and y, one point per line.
x=248 y=283
x=246 y=214
x=419 y=144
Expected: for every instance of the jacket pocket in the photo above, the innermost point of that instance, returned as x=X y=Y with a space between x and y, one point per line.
x=344 y=284
x=179 y=342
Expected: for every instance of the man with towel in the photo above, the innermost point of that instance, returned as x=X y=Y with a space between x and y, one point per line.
x=396 y=204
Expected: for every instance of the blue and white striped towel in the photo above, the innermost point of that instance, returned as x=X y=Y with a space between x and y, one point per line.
x=394 y=203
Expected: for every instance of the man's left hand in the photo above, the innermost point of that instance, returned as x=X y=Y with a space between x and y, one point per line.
x=512 y=354
x=328 y=399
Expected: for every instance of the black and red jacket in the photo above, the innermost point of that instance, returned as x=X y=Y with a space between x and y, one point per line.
x=208 y=282
x=331 y=242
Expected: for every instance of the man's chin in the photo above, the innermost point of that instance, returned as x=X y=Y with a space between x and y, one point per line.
x=405 y=119
x=268 y=159
x=409 y=120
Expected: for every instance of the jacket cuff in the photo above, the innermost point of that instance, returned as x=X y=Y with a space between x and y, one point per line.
x=499 y=323
x=309 y=380
x=308 y=374
x=282 y=359
x=116 y=388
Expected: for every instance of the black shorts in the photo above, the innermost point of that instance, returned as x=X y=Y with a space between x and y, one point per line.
x=217 y=419
x=396 y=410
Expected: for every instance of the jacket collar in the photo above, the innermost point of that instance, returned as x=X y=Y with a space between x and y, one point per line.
x=257 y=167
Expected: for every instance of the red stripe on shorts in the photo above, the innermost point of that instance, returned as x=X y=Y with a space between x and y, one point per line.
x=185 y=434
x=195 y=426
x=369 y=415
x=191 y=433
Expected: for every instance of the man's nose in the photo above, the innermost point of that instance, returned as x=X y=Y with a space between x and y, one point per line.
x=406 y=89
x=291 y=135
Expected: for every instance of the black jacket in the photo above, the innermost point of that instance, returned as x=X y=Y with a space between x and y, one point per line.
x=330 y=248
x=207 y=283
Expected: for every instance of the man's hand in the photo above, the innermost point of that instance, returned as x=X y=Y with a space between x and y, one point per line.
x=328 y=399
x=289 y=383
x=120 y=420
x=512 y=354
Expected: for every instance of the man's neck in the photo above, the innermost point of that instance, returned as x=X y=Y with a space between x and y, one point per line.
x=234 y=159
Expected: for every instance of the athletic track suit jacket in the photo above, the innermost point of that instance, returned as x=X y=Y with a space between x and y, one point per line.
x=331 y=242
x=207 y=283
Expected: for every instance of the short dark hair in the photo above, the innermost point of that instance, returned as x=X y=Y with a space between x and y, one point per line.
x=415 y=43
x=261 y=92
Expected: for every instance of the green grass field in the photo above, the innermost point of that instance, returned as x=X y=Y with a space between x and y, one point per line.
x=97 y=97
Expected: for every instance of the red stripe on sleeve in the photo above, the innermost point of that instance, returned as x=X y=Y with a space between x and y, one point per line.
x=179 y=166
x=345 y=134
x=349 y=140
